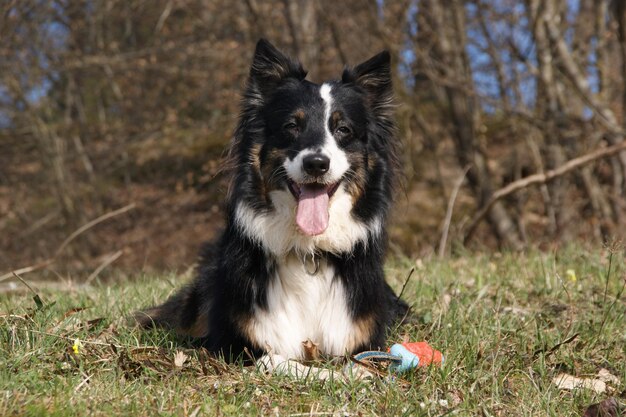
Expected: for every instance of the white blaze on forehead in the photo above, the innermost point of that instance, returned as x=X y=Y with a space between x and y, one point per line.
x=338 y=160
x=328 y=100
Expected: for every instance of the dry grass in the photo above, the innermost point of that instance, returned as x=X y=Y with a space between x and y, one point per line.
x=507 y=324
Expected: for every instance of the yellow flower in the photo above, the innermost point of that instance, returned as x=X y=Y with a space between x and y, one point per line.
x=76 y=346
x=571 y=274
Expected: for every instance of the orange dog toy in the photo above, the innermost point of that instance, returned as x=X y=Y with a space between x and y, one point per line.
x=415 y=354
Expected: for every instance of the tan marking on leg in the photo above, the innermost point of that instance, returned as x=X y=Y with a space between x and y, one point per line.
x=199 y=328
x=362 y=332
x=245 y=326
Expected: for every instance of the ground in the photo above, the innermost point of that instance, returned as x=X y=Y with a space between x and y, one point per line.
x=508 y=324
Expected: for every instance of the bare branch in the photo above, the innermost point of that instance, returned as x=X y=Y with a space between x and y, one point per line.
x=91 y=224
x=540 y=179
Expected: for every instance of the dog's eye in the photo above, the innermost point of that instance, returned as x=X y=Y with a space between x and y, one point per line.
x=290 y=126
x=343 y=130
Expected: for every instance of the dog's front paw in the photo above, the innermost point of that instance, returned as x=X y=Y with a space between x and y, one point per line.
x=279 y=365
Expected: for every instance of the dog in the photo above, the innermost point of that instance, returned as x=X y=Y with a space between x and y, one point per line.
x=301 y=257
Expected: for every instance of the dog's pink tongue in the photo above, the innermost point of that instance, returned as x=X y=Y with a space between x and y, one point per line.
x=312 y=214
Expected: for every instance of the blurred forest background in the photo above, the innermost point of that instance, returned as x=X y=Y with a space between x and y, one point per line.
x=114 y=115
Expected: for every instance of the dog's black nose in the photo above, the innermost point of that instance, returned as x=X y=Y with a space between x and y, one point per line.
x=316 y=164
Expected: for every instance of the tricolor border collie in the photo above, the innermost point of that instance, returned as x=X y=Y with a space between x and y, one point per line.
x=301 y=257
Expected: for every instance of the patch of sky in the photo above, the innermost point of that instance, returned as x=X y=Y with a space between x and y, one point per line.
x=406 y=67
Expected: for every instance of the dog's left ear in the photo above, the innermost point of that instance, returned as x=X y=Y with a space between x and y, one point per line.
x=374 y=76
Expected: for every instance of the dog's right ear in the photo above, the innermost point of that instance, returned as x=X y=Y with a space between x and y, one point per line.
x=270 y=67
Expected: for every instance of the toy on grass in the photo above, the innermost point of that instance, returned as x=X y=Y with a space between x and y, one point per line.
x=403 y=356
x=414 y=354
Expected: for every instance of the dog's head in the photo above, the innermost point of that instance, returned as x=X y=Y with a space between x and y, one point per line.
x=308 y=147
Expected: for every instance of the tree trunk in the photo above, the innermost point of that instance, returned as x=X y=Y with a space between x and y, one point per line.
x=450 y=50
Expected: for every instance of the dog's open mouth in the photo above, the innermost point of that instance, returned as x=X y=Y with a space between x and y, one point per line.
x=312 y=214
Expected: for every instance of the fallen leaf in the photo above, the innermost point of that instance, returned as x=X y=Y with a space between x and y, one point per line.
x=606 y=376
x=606 y=408
x=456 y=398
x=179 y=359
x=570 y=382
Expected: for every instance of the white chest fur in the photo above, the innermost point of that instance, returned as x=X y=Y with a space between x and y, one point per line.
x=303 y=306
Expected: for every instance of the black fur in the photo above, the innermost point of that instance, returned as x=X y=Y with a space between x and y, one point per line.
x=235 y=272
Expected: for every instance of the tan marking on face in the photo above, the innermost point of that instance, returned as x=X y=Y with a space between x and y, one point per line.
x=335 y=118
x=371 y=162
x=255 y=161
x=255 y=156
x=355 y=190
x=356 y=186
x=299 y=115
x=273 y=162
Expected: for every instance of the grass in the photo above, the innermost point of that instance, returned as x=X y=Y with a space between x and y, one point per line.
x=506 y=323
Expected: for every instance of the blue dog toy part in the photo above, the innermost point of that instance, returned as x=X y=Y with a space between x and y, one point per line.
x=408 y=360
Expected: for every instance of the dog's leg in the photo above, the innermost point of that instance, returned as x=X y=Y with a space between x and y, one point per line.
x=279 y=365
x=187 y=313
